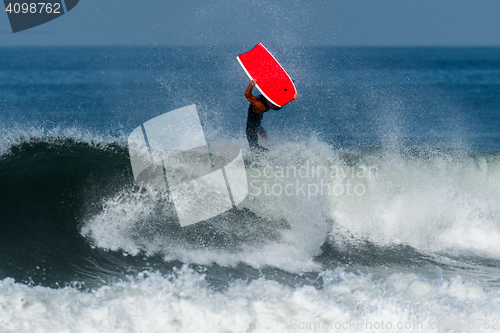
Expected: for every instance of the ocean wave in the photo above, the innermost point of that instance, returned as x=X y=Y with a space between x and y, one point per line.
x=436 y=201
x=302 y=195
x=184 y=302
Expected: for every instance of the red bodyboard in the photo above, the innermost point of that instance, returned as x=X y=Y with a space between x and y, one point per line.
x=272 y=80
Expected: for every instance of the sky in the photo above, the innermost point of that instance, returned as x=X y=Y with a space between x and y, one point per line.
x=248 y=22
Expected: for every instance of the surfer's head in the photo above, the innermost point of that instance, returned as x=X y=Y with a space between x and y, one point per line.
x=271 y=105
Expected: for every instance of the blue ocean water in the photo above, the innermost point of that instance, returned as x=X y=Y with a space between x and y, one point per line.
x=375 y=209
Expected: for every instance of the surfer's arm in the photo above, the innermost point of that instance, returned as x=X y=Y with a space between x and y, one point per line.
x=259 y=106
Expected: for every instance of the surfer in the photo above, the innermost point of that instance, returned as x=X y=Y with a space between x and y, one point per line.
x=258 y=105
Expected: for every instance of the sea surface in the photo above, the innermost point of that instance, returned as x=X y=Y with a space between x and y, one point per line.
x=376 y=208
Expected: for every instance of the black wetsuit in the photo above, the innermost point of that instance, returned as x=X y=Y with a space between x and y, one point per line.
x=254 y=126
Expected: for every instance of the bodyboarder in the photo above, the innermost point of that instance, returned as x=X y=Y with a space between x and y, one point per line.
x=258 y=106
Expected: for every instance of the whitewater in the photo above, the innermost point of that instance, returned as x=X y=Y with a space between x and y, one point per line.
x=376 y=208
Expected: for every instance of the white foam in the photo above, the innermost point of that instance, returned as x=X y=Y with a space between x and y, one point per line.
x=123 y=225
x=445 y=202
x=184 y=302
x=441 y=202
